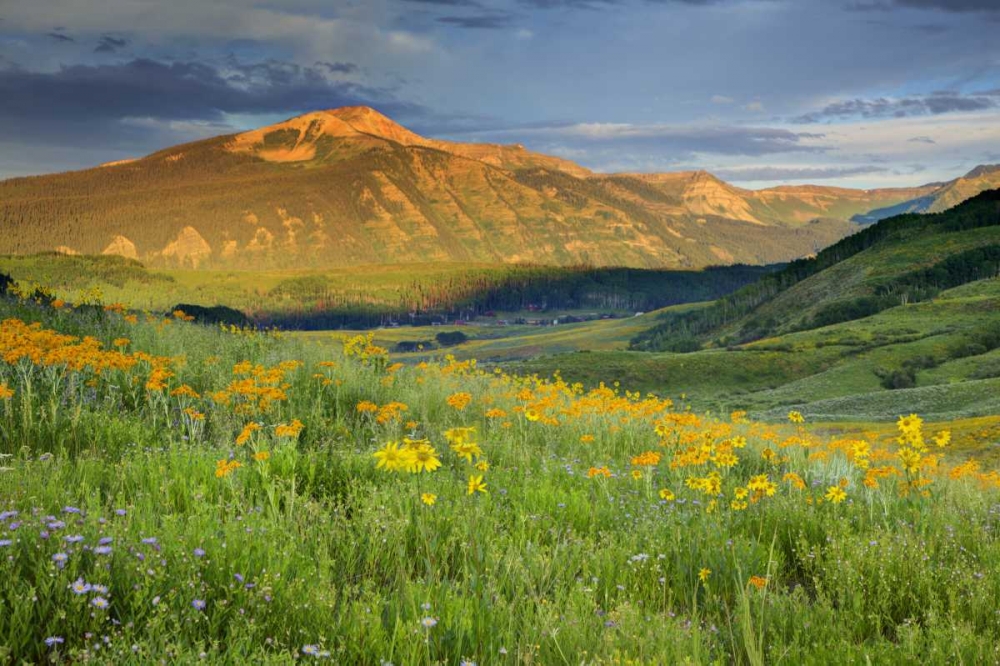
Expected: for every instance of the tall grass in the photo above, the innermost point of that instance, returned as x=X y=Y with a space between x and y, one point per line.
x=123 y=538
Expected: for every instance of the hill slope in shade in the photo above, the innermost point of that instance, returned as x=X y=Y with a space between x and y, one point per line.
x=350 y=186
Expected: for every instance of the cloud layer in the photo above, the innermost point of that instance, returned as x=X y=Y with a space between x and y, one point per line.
x=855 y=92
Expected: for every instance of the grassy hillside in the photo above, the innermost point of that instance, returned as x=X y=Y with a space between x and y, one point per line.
x=171 y=492
x=349 y=187
x=898 y=260
x=926 y=345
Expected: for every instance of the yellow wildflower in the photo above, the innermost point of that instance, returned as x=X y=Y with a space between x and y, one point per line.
x=476 y=485
x=836 y=494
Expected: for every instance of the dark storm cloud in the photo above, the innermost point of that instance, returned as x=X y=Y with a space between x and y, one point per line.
x=178 y=90
x=480 y=22
x=885 y=107
x=771 y=173
x=109 y=44
x=59 y=37
x=338 y=67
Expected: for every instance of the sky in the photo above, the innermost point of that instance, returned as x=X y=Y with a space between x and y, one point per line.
x=854 y=93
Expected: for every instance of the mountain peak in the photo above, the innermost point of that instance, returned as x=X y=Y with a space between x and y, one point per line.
x=367 y=120
x=983 y=170
x=295 y=139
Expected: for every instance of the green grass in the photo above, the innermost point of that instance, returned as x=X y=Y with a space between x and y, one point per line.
x=826 y=373
x=315 y=549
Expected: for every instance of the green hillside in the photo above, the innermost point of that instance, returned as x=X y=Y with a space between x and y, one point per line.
x=932 y=340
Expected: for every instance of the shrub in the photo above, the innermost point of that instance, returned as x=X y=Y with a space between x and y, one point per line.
x=451 y=339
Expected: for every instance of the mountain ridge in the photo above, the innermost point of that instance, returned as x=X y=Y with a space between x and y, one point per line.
x=350 y=186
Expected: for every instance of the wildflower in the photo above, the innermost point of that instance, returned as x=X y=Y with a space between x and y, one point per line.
x=366 y=407
x=54 y=640
x=794 y=479
x=428 y=498
x=646 y=459
x=184 y=391
x=80 y=587
x=261 y=456
x=532 y=414
x=636 y=474
x=836 y=494
x=391 y=458
x=311 y=650
x=796 y=417
x=5 y=542
x=476 y=484
x=99 y=602
x=423 y=459
x=428 y=622
x=100 y=589
x=6 y=393
x=198 y=552
x=909 y=423
x=102 y=550
x=289 y=430
x=943 y=438
x=467 y=450
x=667 y=495
x=198 y=604
x=703 y=574
x=459 y=401
x=586 y=439
x=246 y=433
x=60 y=559
x=224 y=468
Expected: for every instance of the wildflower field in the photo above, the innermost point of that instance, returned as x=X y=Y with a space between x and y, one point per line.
x=172 y=493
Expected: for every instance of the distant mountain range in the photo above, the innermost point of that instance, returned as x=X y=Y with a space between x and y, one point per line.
x=349 y=186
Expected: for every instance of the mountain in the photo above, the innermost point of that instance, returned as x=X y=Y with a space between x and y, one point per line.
x=349 y=186
x=942 y=195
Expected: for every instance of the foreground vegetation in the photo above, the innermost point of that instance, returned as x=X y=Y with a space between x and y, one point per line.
x=171 y=492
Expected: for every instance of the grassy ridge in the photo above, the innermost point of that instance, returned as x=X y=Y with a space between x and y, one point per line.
x=887 y=259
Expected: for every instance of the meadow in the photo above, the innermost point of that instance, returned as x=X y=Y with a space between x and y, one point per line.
x=175 y=493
